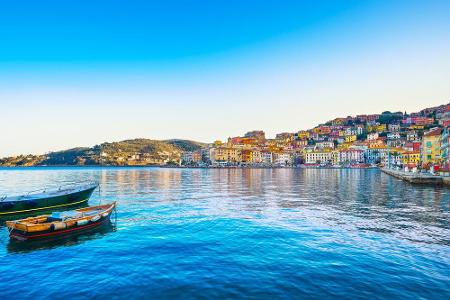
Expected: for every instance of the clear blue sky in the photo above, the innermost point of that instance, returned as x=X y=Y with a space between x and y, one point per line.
x=78 y=73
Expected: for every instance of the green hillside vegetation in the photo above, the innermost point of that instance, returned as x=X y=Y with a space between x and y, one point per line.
x=75 y=156
x=128 y=152
x=186 y=145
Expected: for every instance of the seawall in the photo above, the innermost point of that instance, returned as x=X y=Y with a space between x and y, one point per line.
x=417 y=178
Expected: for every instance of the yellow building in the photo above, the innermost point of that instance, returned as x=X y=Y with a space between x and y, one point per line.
x=343 y=146
x=335 y=157
x=416 y=127
x=339 y=121
x=377 y=144
x=322 y=130
x=350 y=138
x=257 y=157
x=376 y=128
x=227 y=154
x=303 y=135
x=411 y=157
x=431 y=146
x=251 y=156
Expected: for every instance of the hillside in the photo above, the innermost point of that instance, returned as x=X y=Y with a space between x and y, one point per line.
x=128 y=152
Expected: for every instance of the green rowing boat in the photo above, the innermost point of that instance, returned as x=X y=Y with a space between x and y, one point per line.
x=43 y=200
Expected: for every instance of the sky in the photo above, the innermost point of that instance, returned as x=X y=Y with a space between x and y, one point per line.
x=79 y=73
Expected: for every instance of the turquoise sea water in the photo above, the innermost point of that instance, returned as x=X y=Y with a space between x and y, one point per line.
x=238 y=234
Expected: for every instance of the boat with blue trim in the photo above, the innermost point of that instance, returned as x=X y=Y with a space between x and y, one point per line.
x=64 y=196
x=60 y=224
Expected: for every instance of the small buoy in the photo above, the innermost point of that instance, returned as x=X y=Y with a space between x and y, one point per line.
x=95 y=218
x=82 y=222
x=58 y=226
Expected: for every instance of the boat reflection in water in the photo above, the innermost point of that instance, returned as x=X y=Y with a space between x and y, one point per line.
x=15 y=246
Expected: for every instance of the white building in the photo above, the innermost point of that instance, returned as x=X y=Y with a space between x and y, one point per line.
x=325 y=144
x=412 y=136
x=351 y=156
x=267 y=157
x=359 y=129
x=393 y=135
x=351 y=131
x=281 y=159
x=394 y=157
x=375 y=155
x=394 y=127
x=318 y=157
x=372 y=136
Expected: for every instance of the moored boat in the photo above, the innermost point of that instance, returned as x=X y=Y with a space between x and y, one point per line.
x=60 y=223
x=64 y=196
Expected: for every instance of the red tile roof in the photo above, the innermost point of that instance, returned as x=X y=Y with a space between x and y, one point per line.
x=433 y=132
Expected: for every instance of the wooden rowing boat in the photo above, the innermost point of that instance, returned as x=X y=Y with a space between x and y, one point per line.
x=60 y=223
x=47 y=199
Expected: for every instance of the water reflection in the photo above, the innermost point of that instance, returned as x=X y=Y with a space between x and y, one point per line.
x=353 y=200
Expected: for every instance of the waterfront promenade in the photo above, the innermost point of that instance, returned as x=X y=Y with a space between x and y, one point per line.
x=417 y=178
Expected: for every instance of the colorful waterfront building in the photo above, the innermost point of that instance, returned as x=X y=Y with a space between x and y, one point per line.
x=359 y=129
x=375 y=155
x=325 y=144
x=350 y=138
x=281 y=158
x=372 y=136
x=421 y=121
x=416 y=127
x=445 y=148
x=411 y=158
x=376 y=128
x=299 y=143
x=412 y=135
x=324 y=130
x=321 y=157
x=431 y=146
x=191 y=157
x=267 y=157
x=351 y=156
x=257 y=157
x=284 y=137
x=246 y=156
x=394 y=127
x=393 y=135
x=335 y=157
x=303 y=134
x=393 y=157
x=227 y=154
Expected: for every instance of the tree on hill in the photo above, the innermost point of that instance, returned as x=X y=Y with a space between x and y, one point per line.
x=388 y=117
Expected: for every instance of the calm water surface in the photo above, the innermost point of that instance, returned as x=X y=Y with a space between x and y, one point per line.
x=257 y=233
